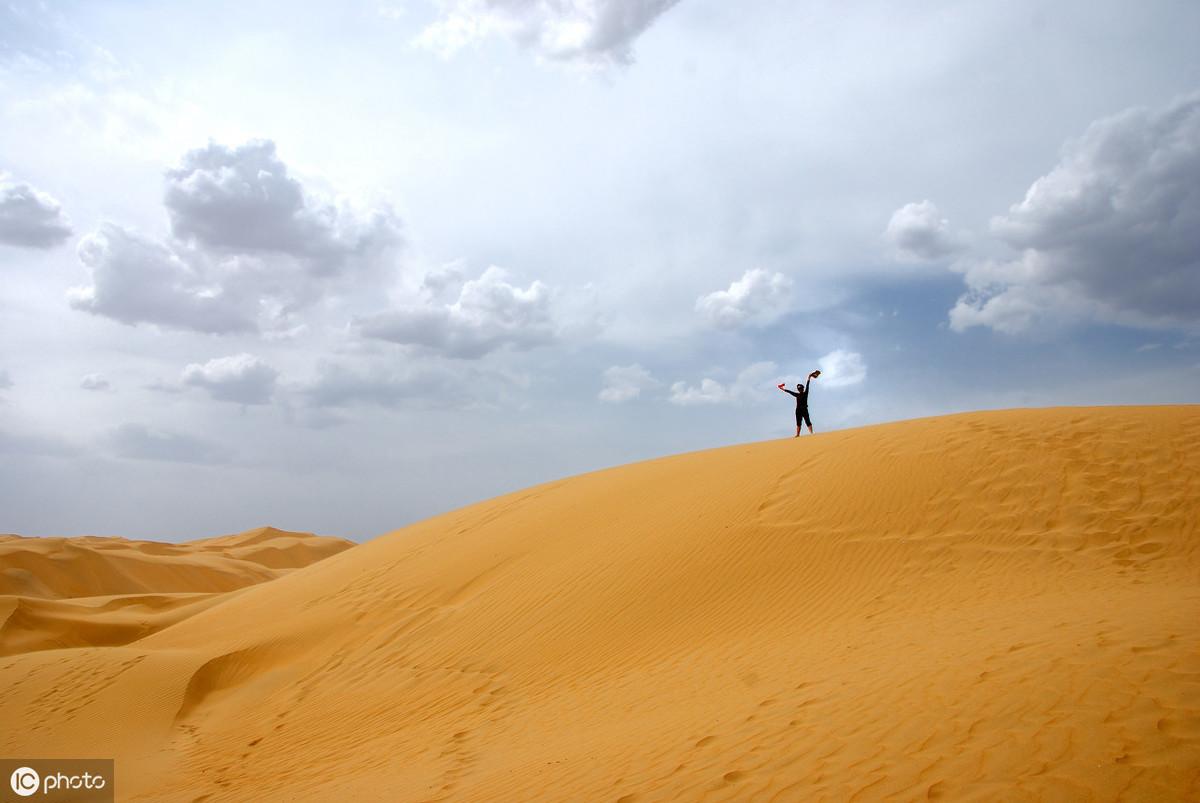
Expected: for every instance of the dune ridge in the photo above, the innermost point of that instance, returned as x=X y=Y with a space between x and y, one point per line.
x=985 y=606
x=106 y=591
x=89 y=566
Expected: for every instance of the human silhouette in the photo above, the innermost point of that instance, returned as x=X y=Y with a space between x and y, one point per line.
x=801 y=394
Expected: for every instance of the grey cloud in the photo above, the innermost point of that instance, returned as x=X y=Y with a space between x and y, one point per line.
x=759 y=297
x=30 y=218
x=340 y=385
x=94 y=382
x=35 y=445
x=749 y=385
x=1111 y=234
x=589 y=33
x=624 y=383
x=243 y=200
x=918 y=231
x=138 y=442
x=489 y=314
x=251 y=247
x=138 y=280
x=443 y=278
x=5 y=380
x=239 y=378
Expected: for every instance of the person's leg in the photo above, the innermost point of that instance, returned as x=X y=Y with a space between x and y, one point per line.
x=808 y=421
x=799 y=421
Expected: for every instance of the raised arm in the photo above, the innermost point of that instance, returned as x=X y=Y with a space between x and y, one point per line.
x=785 y=390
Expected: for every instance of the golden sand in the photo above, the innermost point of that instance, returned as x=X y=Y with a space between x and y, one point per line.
x=988 y=606
x=89 y=591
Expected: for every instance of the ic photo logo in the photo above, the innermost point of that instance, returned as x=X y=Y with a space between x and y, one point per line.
x=25 y=781
x=55 y=780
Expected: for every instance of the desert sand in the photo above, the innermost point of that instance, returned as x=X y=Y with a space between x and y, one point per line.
x=90 y=591
x=986 y=606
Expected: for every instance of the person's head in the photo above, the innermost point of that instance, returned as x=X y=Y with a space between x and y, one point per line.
x=799 y=386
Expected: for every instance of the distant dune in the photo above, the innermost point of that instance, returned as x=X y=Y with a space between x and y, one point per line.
x=90 y=591
x=988 y=606
x=92 y=566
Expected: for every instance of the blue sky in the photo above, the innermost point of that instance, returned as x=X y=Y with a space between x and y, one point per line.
x=338 y=269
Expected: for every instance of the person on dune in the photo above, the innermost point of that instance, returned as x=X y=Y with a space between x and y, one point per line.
x=801 y=394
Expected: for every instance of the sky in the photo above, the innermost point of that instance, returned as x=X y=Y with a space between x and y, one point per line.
x=340 y=267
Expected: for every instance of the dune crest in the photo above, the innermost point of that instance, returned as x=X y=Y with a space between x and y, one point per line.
x=999 y=605
x=104 y=591
x=90 y=566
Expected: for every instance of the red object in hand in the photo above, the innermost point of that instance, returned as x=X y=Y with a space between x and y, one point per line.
x=781 y=384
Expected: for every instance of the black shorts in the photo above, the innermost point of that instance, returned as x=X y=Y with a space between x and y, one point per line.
x=802 y=416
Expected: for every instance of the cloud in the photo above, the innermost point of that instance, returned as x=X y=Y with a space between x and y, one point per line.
x=841 y=368
x=489 y=314
x=250 y=248
x=624 y=383
x=243 y=200
x=593 y=34
x=139 y=280
x=443 y=278
x=751 y=384
x=94 y=382
x=5 y=380
x=34 y=444
x=33 y=38
x=138 y=442
x=30 y=218
x=240 y=378
x=918 y=232
x=340 y=385
x=758 y=297
x=1111 y=234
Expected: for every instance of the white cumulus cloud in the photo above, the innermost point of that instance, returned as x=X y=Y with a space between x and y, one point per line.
x=249 y=248
x=840 y=368
x=589 y=33
x=243 y=200
x=489 y=313
x=1111 y=234
x=241 y=378
x=919 y=232
x=135 y=279
x=752 y=383
x=759 y=297
x=30 y=218
x=624 y=383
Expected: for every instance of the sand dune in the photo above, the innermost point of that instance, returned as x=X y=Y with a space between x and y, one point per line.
x=989 y=606
x=91 y=591
x=94 y=566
